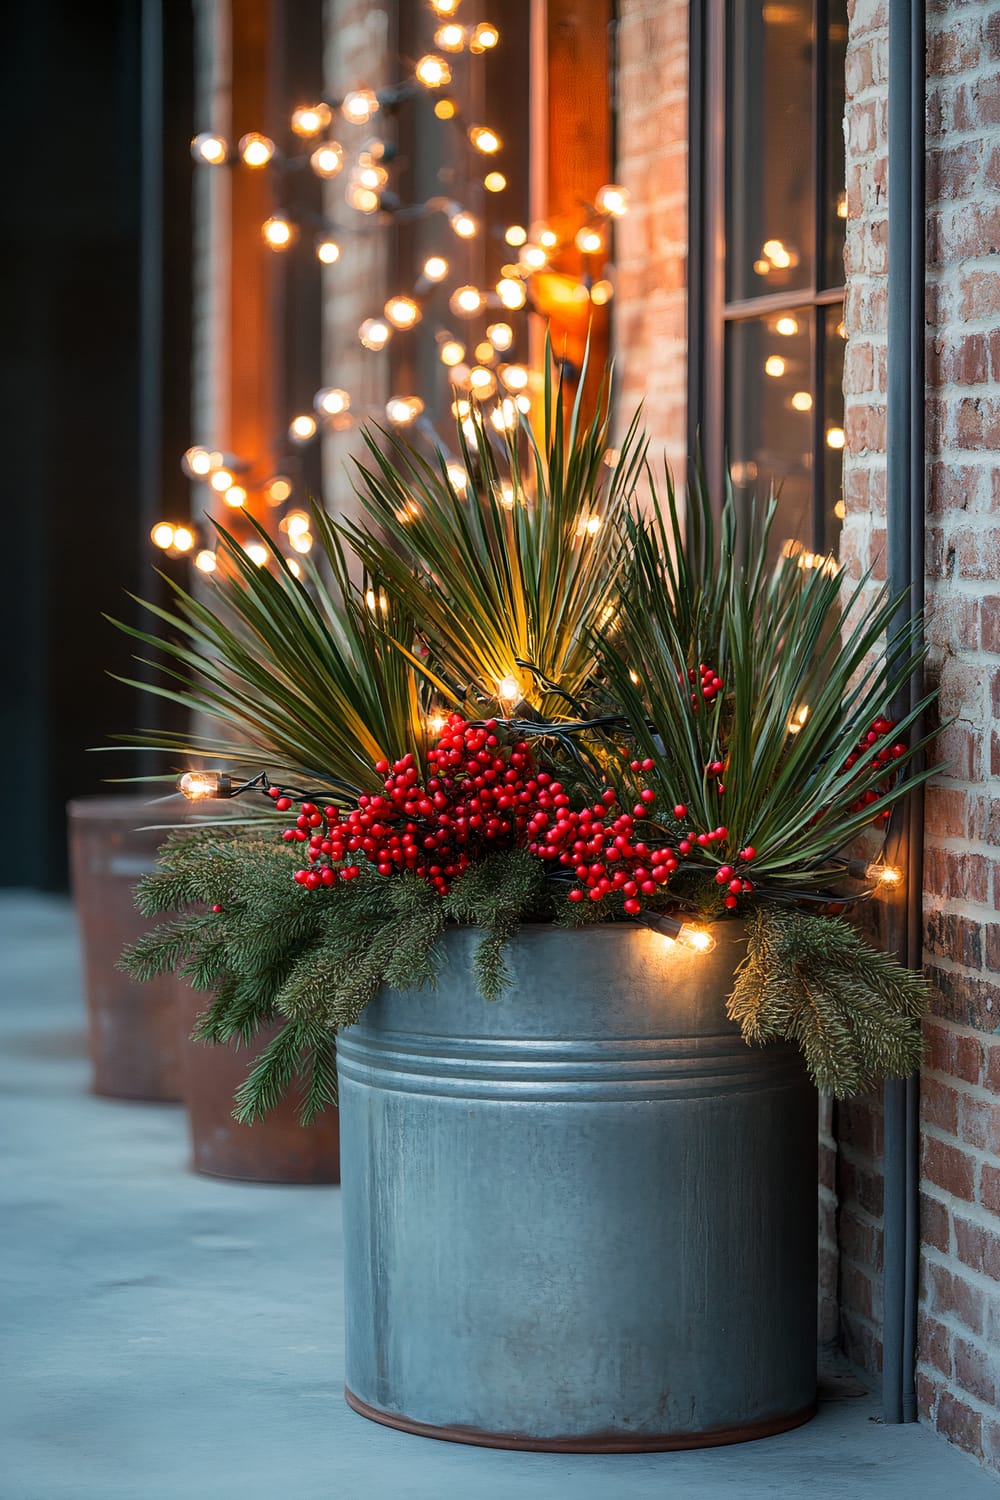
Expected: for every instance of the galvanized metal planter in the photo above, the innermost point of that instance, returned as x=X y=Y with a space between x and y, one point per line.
x=132 y=1027
x=582 y=1217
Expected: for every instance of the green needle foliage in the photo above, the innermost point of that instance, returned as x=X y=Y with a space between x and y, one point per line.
x=811 y=980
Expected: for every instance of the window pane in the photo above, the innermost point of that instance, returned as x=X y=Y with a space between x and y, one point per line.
x=769 y=171
x=769 y=405
x=833 y=427
x=835 y=211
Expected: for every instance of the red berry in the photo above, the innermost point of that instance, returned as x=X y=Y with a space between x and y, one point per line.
x=216 y=908
x=730 y=901
x=632 y=905
x=680 y=811
x=647 y=794
x=283 y=804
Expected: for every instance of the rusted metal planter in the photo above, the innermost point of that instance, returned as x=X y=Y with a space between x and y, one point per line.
x=582 y=1218
x=132 y=1028
x=275 y=1149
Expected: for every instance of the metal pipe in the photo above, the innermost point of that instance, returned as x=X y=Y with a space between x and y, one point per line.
x=905 y=505
x=150 y=395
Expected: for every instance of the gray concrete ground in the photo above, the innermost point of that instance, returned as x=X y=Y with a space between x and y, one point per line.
x=168 y=1336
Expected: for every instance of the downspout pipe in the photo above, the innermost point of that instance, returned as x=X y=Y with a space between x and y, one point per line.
x=905 y=507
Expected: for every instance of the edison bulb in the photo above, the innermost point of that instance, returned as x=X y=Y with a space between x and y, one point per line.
x=206 y=561
x=402 y=312
x=464 y=225
x=500 y=335
x=302 y=428
x=256 y=150
x=328 y=159
x=359 y=106
x=433 y=72
x=331 y=402
x=197 y=785
x=451 y=353
x=484 y=37
x=374 y=334
x=309 y=119
x=278 y=232
x=162 y=535
x=209 y=148
x=466 y=301
x=511 y=293
x=328 y=251
x=435 y=268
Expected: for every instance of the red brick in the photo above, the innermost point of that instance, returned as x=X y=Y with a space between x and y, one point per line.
x=939 y=1104
x=965 y=876
x=946 y=812
x=861 y=1186
x=978 y=1122
x=977 y=424
x=934 y=1344
x=990 y=615
x=959 y=1422
x=992 y=1078
x=935 y=1222
x=953 y=1296
x=980 y=295
x=956 y=751
x=991 y=938
x=977 y=1247
x=989 y=1189
x=949 y=1168
x=951 y=171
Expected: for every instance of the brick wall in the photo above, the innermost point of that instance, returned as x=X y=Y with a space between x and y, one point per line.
x=959 y=1363
x=651 y=241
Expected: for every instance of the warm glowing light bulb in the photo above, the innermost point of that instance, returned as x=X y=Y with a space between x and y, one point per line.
x=458 y=478
x=588 y=240
x=484 y=37
x=302 y=428
x=209 y=148
x=514 y=377
x=776 y=253
x=256 y=150
x=762 y=267
x=485 y=352
x=466 y=301
x=515 y=234
x=798 y=720
x=374 y=334
x=786 y=326
x=365 y=200
x=196 y=462
x=445 y=109
x=696 y=938
x=482 y=381
x=309 y=119
x=484 y=139
x=548 y=239
x=435 y=268
x=509 y=689
x=802 y=401
x=445 y=7
x=840 y=510
x=371 y=177
x=464 y=225
x=432 y=71
x=504 y=416
x=278 y=232
x=534 y=257
x=301 y=540
x=331 y=402
x=198 y=785
x=836 y=437
x=602 y=292
x=450 y=38
x=235 y=496
x=451 y=353
x=222 y=480
x=327 y=160
x=257 y=553
x=500 y=335
x=402 y=410
x=183 y=539
x=511 y=293
x=293 y=567
x=294 y=522
x=278 y=490
x=162 y=535
x=774 y=365
x=359 y=105
x=402 y=312
x=888 y=875
x=612 y=200
x=328 y=251
x=494 y=182
x=206 y=561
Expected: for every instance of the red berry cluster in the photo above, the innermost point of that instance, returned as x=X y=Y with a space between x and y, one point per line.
x=482 y=791
x=706 y=682
x=881 y=729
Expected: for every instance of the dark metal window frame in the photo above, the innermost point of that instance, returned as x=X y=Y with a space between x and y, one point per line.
x=709 y=313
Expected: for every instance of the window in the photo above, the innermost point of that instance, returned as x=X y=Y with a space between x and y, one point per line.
x=768 y=222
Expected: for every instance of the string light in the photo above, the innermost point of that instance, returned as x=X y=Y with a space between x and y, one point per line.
x=293 y=567
x=402 y=312
x=535 y=257
x=504 y=417
x=802 y=401
x=588 y=240
x=774 y=365
x=433 y=72
x=484 y=37
x=484 y=139
x=444 y=7
x=301 y=540
x=494 y=182
x=451 y=353
x=515 y=235
x=257 y=553
x=278 y=490
x=359 y=105
x=466 y=301
x=445 y=109
x=511 y=293
x=798 y=720
x=786 y=326
x=482 y=381
x=256 y=150
x=199 y=785
x=162 y=535
x=612 y=200
x=222 y=480
x=328 y=251
x=309 y=119
x=602 y=292
x=183 y=539
x=889 y=875
x=509 y=689
x=514 y=377
x=302 y=428
x=402 y=410
x=463 y=224
x=364 y=199
x=435 y=268
x=331 y=402
x=197 y=462
x=485 y=352
x=327 y=160
x=836 y=437
x=500 y=335
x=548 y=239
x=374 y=334
x=278 y=232
x=210 y=148
x=458 y=478
x=450 y=38
x=206 y=561
x=235 y=496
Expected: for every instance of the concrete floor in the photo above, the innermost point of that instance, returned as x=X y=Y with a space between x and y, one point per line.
x=169 y=1337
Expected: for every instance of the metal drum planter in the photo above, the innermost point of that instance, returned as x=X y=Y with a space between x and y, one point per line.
x=582 y=1217
x=132 y=1027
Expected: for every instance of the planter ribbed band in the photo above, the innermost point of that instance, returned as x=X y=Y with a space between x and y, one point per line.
x=582 y=1217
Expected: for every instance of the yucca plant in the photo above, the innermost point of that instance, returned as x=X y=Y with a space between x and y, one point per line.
x=690 y=734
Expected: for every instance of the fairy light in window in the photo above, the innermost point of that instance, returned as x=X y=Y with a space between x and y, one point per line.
x=612 y=200
x=786 y=326
x=210 y=148
x=359 y=105
x=235 y=497
x=435 y=268
x=374 y=334
x=774 y=365
x=500 y=335
x=327 y=160
x=402 y=312
x=256 y=150
x=801 y=401
x=836 y=437
x=432 y=71
x=328 y=251
x=464 y=224
x=484 y=37
x=309 y=119
x=494 y=182
x=206 y=561
x=302 y=429
x=331 y=402
x=278 y=232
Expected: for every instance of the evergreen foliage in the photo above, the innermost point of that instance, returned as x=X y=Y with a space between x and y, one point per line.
x=854 y=1012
